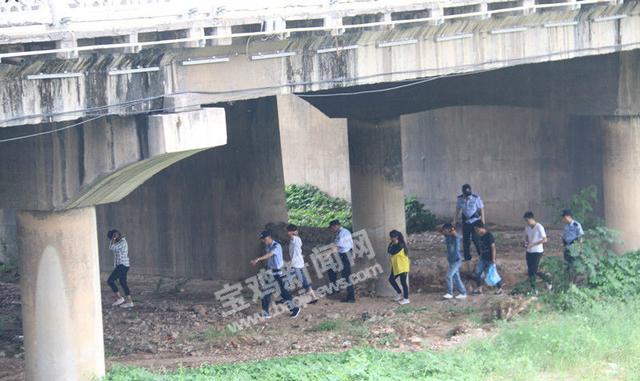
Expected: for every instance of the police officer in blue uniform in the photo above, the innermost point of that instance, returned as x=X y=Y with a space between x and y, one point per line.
x=470 y=206
x=573 y=233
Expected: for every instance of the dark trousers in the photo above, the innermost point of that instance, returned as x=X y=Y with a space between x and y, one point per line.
x=403 y=281
x=266 y=298
x=469 y=235
x=568 y=262
x=120 y=273
x=533 y=263
x=346 y=274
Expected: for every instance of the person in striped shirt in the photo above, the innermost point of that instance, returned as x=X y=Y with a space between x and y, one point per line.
x=120 y=249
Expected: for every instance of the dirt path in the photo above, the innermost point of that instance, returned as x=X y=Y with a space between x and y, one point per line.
x=180 y=324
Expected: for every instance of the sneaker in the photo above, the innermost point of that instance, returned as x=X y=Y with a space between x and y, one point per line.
x=127 y=305
x=265 y=315
x=448 y=296
x=499 y=291
x=397 y=298
x=404 y=301
x=295 y=312
x=461 y=296
x=117 y=302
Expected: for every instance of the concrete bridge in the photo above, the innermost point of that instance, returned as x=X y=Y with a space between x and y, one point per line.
x=166 y=118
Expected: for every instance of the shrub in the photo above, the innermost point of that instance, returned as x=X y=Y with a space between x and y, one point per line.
x=418 y=218
x=601 y=274
x=581 y=205
x=309 y=206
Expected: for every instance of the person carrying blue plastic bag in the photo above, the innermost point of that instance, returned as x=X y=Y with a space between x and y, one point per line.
x=492 y=278
x=487 y=262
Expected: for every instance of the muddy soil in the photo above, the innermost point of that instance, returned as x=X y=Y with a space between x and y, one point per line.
x=179 y=322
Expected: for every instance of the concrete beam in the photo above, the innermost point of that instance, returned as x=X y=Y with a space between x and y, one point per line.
x=60 y=289
x=102 y=161
x=306 y=71
x=377 y=194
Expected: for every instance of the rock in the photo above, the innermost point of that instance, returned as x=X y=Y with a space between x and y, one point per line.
x=416 y=341
x=151 y=349
x=199 y=309
x=457 y=330
x=346 y=344
x=295 y=346
x=333 y=315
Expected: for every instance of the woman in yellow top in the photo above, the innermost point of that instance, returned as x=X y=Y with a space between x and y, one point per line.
x=398 y=252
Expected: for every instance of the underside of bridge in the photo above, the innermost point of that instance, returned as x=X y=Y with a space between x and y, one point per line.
x=191 y=186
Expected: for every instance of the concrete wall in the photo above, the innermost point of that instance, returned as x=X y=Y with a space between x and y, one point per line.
x=201 y=217
x=314 y=147
x=515 y=158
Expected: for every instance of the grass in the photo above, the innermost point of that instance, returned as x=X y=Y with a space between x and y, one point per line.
x=354 y=328
x=214 y=334
x=410 y=309
x=328 y=325
x=601 y=343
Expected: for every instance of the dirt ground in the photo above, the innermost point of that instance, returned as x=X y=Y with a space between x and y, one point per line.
x=179 y=323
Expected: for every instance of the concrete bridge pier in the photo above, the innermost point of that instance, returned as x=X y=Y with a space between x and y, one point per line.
x=60 y=286
x=377 y=193
x=621 y=177
x=63 y=175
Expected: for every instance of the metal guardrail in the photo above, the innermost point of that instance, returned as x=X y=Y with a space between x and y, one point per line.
x=165 y=8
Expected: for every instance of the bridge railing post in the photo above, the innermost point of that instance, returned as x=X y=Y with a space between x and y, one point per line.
x=529 y=6
x=437 y=14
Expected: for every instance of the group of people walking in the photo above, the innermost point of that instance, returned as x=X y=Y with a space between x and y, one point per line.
x=470 y=212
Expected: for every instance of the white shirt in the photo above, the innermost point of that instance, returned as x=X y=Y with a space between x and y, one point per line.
x=535 y=234
x=344 y=241
x=295 y=252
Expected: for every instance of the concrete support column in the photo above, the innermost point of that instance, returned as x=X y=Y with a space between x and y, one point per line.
x=60 y=286
x=377 y=195
x=621 y=176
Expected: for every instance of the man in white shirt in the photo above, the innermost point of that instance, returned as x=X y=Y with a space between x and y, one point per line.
x=297 y=261
x=535 y=238
x=344 y=242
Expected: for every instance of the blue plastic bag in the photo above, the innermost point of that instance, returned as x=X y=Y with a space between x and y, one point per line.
x=492 y=277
